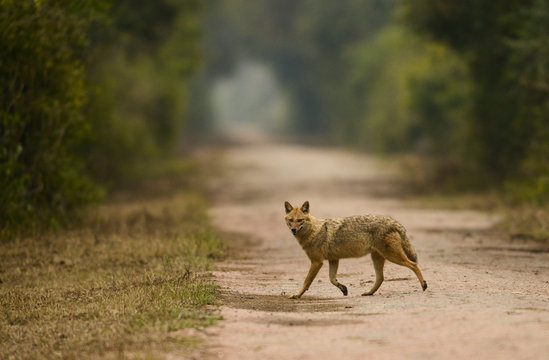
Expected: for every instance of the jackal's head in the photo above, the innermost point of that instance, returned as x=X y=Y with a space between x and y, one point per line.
x=298 y=218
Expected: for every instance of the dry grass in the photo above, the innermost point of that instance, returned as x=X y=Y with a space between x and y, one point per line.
x=524 y=216
x=120 y=287
x=526 y=222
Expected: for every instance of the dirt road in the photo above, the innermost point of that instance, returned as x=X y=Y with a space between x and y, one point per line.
x=488 y=298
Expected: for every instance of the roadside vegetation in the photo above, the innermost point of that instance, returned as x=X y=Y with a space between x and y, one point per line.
x=89 y=92
x=105 y=244
x=123 y=283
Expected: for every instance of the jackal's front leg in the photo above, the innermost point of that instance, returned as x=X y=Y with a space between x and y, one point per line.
x=313 y=270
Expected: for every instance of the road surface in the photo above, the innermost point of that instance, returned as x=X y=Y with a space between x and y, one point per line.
x=488 y=298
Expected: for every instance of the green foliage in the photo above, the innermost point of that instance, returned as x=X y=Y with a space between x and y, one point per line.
x=380 y=81
x=138 y=114
x=89 y=90
x=410 y=94
x=529 y=67
x=505 y=45
x=42 y=94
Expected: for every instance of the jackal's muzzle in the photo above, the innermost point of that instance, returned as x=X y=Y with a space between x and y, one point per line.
x=296 y=230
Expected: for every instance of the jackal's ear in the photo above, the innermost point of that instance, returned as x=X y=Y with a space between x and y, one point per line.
x=305 y=207
x=288 y=207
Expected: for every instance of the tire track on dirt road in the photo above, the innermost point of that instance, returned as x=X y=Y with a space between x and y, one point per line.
x=487 y=297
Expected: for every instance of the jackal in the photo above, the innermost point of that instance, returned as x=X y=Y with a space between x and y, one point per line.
x=355 y=236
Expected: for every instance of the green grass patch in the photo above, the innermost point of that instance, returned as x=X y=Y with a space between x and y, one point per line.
x=123 y=285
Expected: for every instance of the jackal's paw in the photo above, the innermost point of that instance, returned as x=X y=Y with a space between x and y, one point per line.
x=343 y=289
x=296 y=296
x=368 y=294
x=424 y=286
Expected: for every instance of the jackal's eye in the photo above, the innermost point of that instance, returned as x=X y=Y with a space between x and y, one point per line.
x=300 y=221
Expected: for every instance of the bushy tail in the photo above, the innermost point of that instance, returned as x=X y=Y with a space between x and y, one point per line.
x=407 y=246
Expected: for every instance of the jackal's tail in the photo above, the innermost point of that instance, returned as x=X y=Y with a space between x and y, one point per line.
x=407 y=246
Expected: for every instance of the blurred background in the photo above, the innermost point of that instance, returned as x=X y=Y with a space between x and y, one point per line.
x=92 y=92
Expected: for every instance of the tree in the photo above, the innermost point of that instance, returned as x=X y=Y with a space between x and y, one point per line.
x=42 y=95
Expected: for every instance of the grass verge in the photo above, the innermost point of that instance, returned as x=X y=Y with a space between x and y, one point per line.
x=526 y=222
x=523 y=216
x=120 y=286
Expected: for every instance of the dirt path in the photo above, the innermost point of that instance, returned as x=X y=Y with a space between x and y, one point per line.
x=487 y=298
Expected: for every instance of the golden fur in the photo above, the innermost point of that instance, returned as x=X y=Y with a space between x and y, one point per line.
x=356 y=236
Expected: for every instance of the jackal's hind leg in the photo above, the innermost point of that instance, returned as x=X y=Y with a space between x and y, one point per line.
x=379 y=262
x=395 y=253
x=333 y=273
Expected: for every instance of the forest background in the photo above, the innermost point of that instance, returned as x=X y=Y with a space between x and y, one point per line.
x=94 y=92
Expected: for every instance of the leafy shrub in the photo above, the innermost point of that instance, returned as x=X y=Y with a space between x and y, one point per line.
x=42 y=92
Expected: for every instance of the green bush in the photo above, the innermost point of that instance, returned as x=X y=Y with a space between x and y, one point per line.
x=89 y=91
x=505 y=47
x=415 y=95
x=42 y=93
x=138 y=75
